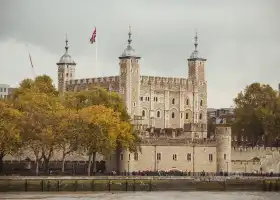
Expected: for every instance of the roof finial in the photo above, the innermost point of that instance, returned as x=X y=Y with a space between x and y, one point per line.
x=129 y=36
x=66 y=43
x=195 y=41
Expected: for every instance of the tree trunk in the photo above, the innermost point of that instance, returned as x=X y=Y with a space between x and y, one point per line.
x=37 y=166
x=118 y=154
x=93 y=166
x=63 y=163
x=46 y=164
x=1 y=162
x=89 y=164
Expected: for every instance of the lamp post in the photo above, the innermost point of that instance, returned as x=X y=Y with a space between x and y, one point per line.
x=157 y=164
x=128 y=167
x=227 y=167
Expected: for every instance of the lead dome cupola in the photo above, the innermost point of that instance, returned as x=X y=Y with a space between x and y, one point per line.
x=129 y=51
x=66 y=58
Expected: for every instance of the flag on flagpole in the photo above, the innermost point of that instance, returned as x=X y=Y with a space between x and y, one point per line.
x=93 y=36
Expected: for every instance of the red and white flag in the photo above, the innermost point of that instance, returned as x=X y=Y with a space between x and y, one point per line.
x=93 y=37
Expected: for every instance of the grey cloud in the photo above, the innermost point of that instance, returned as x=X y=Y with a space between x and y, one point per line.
x=239 y=38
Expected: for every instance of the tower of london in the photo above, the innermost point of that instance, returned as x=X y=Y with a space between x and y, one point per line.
x=167 y=105
x=172 y=114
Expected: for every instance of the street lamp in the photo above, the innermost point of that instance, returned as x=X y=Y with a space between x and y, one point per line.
x=128 y=167
x=227 y=167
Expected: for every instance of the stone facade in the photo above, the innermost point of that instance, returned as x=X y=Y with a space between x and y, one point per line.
x=161 y=102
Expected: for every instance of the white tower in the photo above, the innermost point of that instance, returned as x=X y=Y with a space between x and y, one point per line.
x=65 y=69
x=223 y=138
x=130 y=91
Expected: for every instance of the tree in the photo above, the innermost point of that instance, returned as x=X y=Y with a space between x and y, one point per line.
x=255 y=111
x=41 y=84
x=40 y=124
x=10 y=140
x=68 y=139
x=98 y=127
x=99 y=96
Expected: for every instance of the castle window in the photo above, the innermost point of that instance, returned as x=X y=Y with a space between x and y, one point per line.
x=200 y=116
x=158 y=114
x=225 y=156
x=129 y=156
x=189 y=157
x=187 y=101
x=121 y=156
x=134 y=104
x=175 y=157
x=187 y=115
x=173 y=101
x=141 y=98
x=66 y=74
x=158 y=156
x=201 y=103
x=211 y=157
x=148 y=98
x=181 y=115
x=156 y=99
x=135 y=156
x=173 y=115
x=143 y=113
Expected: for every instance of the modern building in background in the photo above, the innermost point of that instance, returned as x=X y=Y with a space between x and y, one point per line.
x=220 y=115
x=5 y=90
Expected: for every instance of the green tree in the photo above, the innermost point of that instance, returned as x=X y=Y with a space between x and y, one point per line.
x=10 y=140
x=255 y=111
x=40 y=124
x=42 y=110
x=99 y=96
x=98 y=127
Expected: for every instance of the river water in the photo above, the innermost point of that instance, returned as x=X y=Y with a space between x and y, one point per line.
x=145 y=196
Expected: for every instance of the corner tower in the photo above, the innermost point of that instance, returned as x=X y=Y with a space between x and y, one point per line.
x=223 y=138
x=65 y=69
x=130 y=78
x=198 y=86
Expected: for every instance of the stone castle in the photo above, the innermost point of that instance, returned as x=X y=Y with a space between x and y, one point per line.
x=172 y=116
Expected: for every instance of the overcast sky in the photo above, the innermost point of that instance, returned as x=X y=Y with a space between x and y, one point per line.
x=240 y=39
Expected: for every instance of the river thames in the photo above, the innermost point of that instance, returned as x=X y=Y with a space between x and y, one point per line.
x=146 y=196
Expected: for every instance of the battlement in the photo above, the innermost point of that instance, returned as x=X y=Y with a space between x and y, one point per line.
x=97 y=80
x=161 y=141
x=164 y=81
x=255 y=149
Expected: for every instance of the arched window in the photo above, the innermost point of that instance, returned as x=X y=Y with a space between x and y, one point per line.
x=143 y=113
x=201 y=102
x=173 y=115
x=173 y=101
x=187 y=101
x=187 y=115
x=158 y=114
x=200 y=116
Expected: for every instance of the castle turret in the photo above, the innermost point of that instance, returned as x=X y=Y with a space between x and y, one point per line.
x=66 y=69
x=130 y=91
x=198 y=86
x=223 y=138
x=130 y=78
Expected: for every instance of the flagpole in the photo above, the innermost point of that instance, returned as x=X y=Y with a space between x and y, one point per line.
x=31 y=63
x=96 y=53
